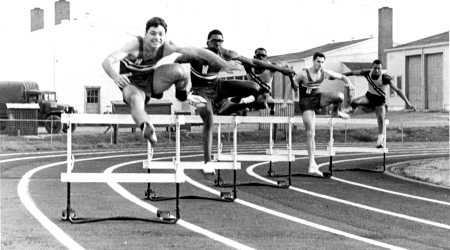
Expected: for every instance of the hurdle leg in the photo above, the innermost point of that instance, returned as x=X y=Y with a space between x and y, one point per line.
x=331 y=166
x=68 y=213
x=219 y=180
x=234 y=185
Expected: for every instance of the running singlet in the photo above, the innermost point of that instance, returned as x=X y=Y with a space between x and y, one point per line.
x=203 y=75
x=141 y=70
x=378 y=86
x=263 y=79
x=311 y=87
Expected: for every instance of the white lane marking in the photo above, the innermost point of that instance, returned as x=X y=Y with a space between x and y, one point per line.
x=441 y=225
x=292 y=218
x=24 y=195
x=381 y=189
x=122 y=191
x=58 y=233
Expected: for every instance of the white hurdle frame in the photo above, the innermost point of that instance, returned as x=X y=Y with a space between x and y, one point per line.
x=331 y=149
x=178 y=164
x=69 y=177
x=251 y=157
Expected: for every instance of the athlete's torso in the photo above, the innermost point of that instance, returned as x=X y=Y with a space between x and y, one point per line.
x=203 y=74
x=141 y=65
x=376 y=86
x=311 y=86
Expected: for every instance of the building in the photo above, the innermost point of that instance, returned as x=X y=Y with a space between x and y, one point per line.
x=421 y=69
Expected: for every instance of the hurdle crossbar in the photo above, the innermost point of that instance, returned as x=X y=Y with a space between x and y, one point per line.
x=69 y=176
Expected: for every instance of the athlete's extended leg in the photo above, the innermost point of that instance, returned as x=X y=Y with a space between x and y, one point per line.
x=359 y=101
x=335 y=98
x=239 y=89
x=380 y=112
x=136 y=99
x=169 y=74
x=309 y=120
x=206 y=113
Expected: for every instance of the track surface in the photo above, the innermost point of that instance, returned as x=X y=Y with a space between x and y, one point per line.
x=352 y=210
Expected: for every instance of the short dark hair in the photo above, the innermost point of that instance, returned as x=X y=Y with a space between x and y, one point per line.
x=214 y=32
x=260 y=49
x=155 y=22
x=318 y=54
x=378 y=61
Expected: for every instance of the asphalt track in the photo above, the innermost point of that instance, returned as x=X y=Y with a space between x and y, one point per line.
x=352 y=210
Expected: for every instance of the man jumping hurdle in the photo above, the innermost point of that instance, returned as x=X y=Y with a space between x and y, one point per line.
x=312 y=99
x=143 y=75
x=264 y=78
x=375 y=98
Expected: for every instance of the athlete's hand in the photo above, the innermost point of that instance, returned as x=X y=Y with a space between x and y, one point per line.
x=231 y=66
x=350 y=86
x=122 y=80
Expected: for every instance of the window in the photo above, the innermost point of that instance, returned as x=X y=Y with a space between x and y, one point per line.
x=399 y=82
x=92 y=95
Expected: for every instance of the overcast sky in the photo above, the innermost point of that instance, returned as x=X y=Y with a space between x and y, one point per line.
x=281 y=26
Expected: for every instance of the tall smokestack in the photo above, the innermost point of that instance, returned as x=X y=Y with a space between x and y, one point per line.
x=62 y=11
x=385 y=40
x=37 y=19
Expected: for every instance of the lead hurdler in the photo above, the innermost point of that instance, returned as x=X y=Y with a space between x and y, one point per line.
x=143 y=74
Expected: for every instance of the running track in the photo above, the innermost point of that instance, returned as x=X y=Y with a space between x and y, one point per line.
x=352 y=210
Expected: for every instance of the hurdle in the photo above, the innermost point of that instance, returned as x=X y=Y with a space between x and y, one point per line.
x=150 y=194
x=331 y=149
x=234 y=156
x=68 y=214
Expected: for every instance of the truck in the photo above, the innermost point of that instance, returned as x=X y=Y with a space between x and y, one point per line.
x=49 y=114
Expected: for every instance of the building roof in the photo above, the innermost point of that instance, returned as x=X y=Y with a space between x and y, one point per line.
x=358 y=65
x=439 y=38
x=310 y=52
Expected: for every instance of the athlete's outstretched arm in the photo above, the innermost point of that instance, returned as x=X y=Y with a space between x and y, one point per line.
x=402 y=95
x=333 y=75
x=207 y=55
x=266 y=65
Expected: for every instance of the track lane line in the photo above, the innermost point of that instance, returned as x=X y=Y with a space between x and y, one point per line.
x=127 y=195
x=381 y=189
x=292 y=218
x=436 y=224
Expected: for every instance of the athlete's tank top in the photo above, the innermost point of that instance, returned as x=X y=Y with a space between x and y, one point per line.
x=311 y=87
x=202 y=75
x=378 y=86
x=264 y=79
x=139 y=66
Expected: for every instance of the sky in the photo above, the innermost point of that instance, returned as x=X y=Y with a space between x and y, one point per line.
x=280 y=26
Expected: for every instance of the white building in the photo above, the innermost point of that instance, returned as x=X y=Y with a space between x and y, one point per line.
x=421 y=69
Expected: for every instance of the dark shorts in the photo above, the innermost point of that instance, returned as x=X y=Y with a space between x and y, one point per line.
x=144 y=82
x=210 y=92
x=309 y=102
x=375 y=100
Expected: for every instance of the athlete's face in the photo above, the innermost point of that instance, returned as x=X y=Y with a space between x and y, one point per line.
x=376 y=71
x=261 y=55
x=156 y=35
x=215 y=43
x=318 y=63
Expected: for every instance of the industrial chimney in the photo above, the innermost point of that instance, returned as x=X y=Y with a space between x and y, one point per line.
x=385 y=40
x=62 y=11
x=37 y=19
